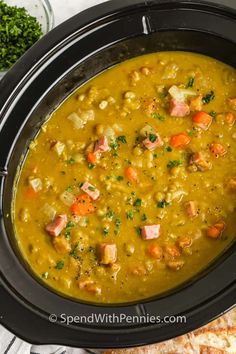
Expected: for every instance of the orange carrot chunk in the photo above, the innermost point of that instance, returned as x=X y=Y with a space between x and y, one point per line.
x=202 y=120
x=155 y=251
x=30 y=193
x=132 y=174
x=230 y=119
x=218 y=150
x=180 y=140
x=216 y=230
x=91 y=158
x=83 y=205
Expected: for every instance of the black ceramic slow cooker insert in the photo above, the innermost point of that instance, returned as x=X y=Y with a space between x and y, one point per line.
x=64 y=59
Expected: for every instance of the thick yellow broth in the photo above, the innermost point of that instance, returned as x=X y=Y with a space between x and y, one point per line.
x=123 y=100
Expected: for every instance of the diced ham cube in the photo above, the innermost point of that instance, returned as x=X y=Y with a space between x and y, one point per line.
x=150 y=145
x=92 y=191
x=191 y=209
x=199 y=160
x=107 y=253
x=150 y=232
x=102 y=145
x=55 y=227
x=179 y=108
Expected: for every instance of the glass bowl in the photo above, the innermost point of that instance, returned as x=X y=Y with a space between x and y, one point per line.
x=41 y=9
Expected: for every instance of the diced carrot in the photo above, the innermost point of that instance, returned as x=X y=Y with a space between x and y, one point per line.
x=202 y=120
x=216 y=230
x=132 y=174
x=230 y=118
x=30 y=193
x=91 y=158
x=180 y=140
x=218 y=150
x=83 y=205
x=155 y=251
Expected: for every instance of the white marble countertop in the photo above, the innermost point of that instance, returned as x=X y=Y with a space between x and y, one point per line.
x=64 y=9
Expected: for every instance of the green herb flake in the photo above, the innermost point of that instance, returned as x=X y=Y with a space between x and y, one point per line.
x=144 y=217
x=174 y=163
x=71 y=161
x=163 y=204
x=213 y=114
x=105 y=231
x=118 y=222
x=91 y=166
x=110 y=214
x=169 y=149
x=60 y=265
x=208 y=97
x=137 y=202
x=114 y=145
x=122 y=139
x=190 y=82
x=152 y=137
x=92 y=188
x=158 y=116
x=74 y=252
x=130 y=215
x=45 y=275
x=18 y=32
x=138 y=231
x=119 y=178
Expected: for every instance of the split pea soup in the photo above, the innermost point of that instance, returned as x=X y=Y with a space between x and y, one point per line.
x=129 y=188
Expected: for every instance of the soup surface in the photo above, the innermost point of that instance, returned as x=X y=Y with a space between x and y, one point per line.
x=129 y=188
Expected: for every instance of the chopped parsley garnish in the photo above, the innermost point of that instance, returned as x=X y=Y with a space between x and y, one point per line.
x=118 y=222
x=91 y=166
x=137 y=202
x=144 y=217
x=92 y=188
x=130 y=215
x=71 y=161
x=190 y=82
x=169 y=149
x=69 y=189
x=213 y=114
x=18 y=32
x=110 y=214
x=105 y=231
x=152 y=137
x=67 y=234
x=158 y=116
x=114 y=145
x=60 y=265
x=119 y=178
x=73 y=252
x=162 y=204
x=138 y=231
x=45 y=275
x=122 y=139
x=208 y=97
x=174 y=163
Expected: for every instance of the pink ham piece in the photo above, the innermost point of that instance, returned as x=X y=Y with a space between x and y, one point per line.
x=107 y=253
x=92 y=191
x=55 y=227
x=102 y=145
x=179 y=108
x=150 y=232
x=153 y=145
x=191 y=209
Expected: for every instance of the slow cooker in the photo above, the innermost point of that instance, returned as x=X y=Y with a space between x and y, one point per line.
x=71 y=54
